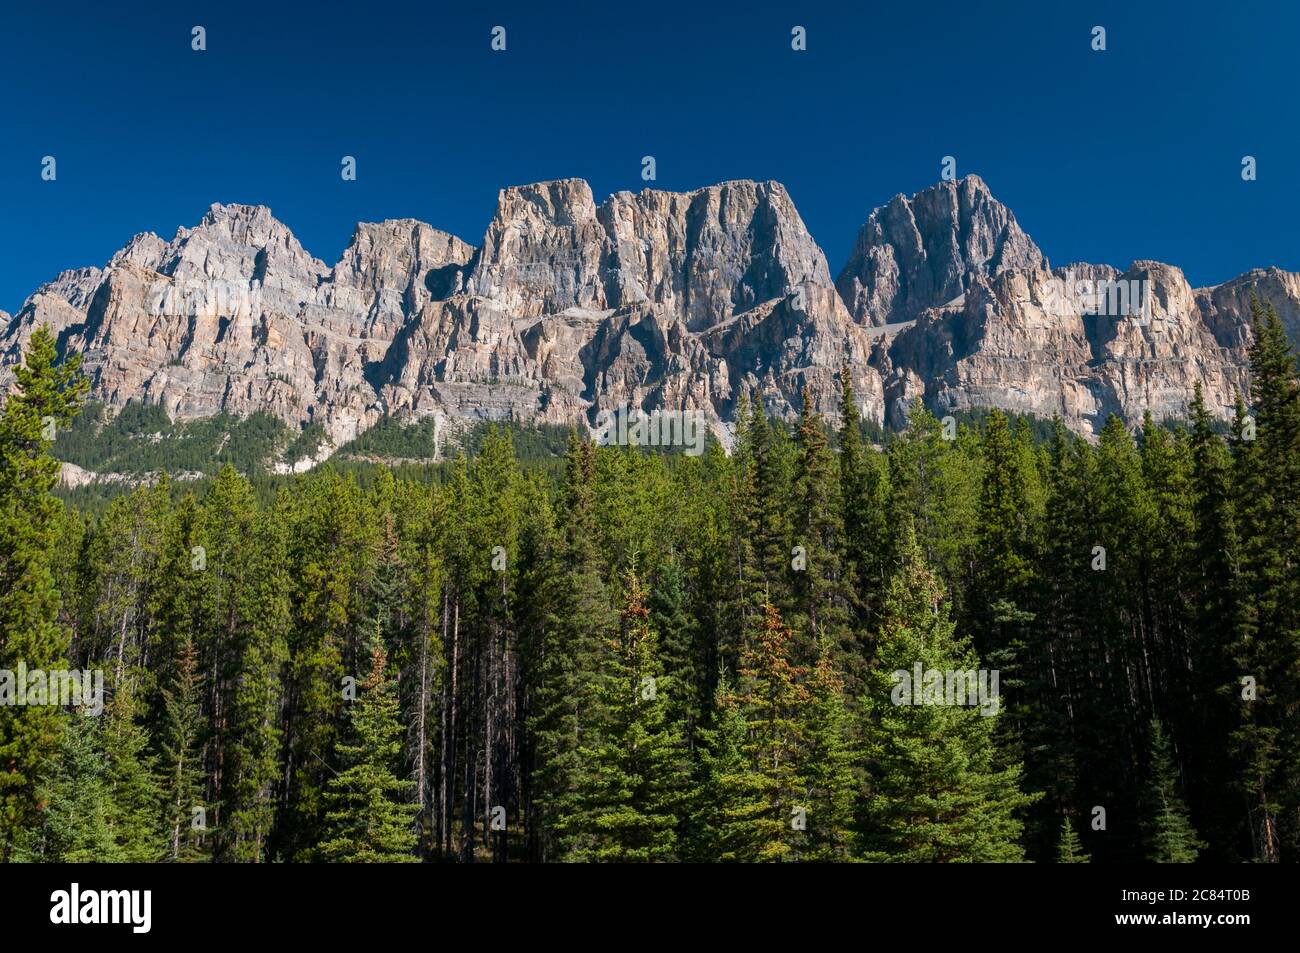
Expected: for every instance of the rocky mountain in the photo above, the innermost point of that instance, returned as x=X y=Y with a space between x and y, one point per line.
x=919 y=253
x=1019 y=342
x=656 y=300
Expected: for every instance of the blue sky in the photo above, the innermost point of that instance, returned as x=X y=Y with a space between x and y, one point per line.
x=1109 y=157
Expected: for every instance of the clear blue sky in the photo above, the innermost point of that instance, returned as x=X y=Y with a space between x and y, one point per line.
x=1107 y=157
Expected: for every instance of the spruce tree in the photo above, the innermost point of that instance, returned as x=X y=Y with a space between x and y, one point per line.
x=562 y=663
x=864 y=494
x=182 y=780
x=74 y=803
x=631 y=775
x=1219 y=610
x=679 y=639
x=827 y=765
x=1169 y=834
x=767 y=520
x=1268 y=743
x=774 y=699
x=136 y=798
x=1004 y=576
x=369 y=817
x=1070 y=850
x=47 y=397
x=255 y=736
x=730 y=799
x=823 y=585
x=328 y=546
x=936 y=790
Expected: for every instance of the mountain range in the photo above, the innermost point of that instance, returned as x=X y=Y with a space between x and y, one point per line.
x=655 y=300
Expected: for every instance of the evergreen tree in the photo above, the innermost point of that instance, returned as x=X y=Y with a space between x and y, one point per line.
x=823 y=587
x=183 y=780
x=74 y=803
x=329 y=546
x=136 y=799
x=46 y=398
x=730 y=799
x=368 y=817
x=827 y=759
x=631 y=777
x=1219 y=610
x=578 y=621
x=767 y=519
x=1070 y=850
x=255 y=737
x=864 y=495
x=1170 y=837
x=775 y=700
x=679 y=647
x=1004 y=575
x=1268 y=501
x=936 y=792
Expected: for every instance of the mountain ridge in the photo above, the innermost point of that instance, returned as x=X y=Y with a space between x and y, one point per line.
x=652 y=299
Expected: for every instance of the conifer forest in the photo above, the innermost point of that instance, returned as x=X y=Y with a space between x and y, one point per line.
x=991 y=642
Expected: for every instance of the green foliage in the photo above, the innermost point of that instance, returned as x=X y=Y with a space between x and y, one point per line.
x=47 y=397
x=368 y=816
x=626 y=804
x=775 y=699
x=135 y=794
x=828 y=761
x=730 y=801
x=937 y=793
x=74 y=802
x=1070 y=850
x=504 y=586
x=396 y=438
x=1170 y=837
x=182 y=780
x=141 y=438
x=306 y=444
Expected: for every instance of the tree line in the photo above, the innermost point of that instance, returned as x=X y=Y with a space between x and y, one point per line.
x=656 y=657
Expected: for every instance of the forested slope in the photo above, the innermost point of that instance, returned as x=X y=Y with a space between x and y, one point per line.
x=664 y=657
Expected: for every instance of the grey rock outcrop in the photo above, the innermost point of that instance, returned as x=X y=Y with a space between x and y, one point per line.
x=1021 y=342
x=654 y=300
x=919 y=253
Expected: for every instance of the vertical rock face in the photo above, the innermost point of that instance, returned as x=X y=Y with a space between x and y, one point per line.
x=923 y=252
x=571 y=308
x=1225 y=307
x=712 y=253
x=234 y=315
x=655 y=300
x=1022 y=342
x=544 y=251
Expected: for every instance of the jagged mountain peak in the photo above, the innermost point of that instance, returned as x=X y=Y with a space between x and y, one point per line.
x=236 y=212
x=655 y=299
x=922 y=252
x=757 y=186
x=561 y=202
x=144 y=249
x=251 y=226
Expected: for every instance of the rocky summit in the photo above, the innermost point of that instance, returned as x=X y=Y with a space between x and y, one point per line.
x=654 y=300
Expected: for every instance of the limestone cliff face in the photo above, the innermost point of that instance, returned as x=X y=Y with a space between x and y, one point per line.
x=656 y=300
x=1019 y=341
x=234 y=315
x=572 y=308
x=923 y=252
